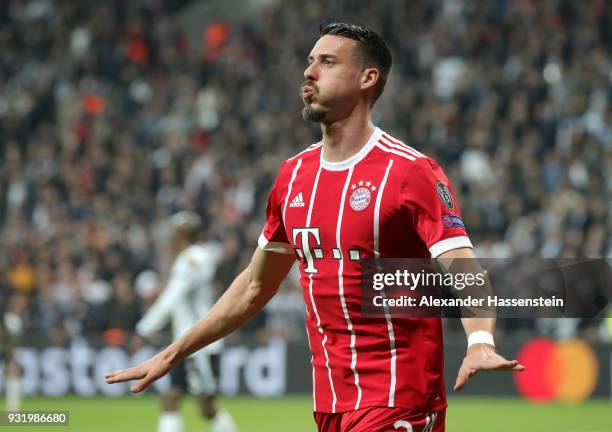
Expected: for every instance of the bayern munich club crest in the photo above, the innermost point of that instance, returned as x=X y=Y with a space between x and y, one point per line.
x=362 y=195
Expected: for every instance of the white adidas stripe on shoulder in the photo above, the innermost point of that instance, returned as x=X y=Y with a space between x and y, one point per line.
x=309 y=148
x=403 y=144
x=388 y=138
x=383 y=146
x=399 y=147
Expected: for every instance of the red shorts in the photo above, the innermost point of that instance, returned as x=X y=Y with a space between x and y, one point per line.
x=380 y=419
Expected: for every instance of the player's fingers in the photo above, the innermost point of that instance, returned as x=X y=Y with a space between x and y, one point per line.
x=460 y=383
x=141 y=385
x=114 y=377
x=116 y=373
x=462 y=378
x=518 y=368
x=124 y=375
x=496 y=363
x=113 y=373
x=504 y=364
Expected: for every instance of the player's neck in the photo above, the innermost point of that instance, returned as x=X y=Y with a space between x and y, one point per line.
x=344 y=138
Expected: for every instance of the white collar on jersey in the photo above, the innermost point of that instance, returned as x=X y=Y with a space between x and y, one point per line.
x=356 y=158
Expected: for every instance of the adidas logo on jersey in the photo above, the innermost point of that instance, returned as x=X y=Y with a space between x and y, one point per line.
x=298 y=201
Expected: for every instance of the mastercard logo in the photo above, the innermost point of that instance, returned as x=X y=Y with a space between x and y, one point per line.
x=566 y=371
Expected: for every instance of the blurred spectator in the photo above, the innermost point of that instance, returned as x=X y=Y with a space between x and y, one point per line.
x=123 y=309
x=110 y=122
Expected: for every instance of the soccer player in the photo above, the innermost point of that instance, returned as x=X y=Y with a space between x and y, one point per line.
x=359 y=193
x=189 y=295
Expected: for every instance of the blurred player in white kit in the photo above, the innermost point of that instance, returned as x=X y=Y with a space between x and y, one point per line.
x=11 y=329
x=187 y=297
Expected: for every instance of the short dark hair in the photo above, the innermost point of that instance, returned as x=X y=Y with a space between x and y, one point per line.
x=187 y=224
x=372 y=49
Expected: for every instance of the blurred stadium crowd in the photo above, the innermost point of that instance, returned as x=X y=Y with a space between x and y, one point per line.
x=111 y=120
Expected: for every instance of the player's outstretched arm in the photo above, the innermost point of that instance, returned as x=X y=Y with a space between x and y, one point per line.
x=248 y=294
x=481 y=355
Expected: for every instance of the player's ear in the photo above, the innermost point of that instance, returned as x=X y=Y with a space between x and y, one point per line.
x=369 y=78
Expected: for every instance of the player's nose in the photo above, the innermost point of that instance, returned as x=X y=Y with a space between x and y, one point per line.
x=310 y=73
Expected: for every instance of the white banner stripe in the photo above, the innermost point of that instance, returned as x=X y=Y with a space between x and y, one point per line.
x=312 y=301
x=448 y=244
x=381 y=146
x=390 y=331
x=349 y=323
x=329 y=372
x=314 y=399
x=396 y=141
x=400 y=147
x=310 y=148
x=434 y=416
x=278 y=247
x=293 y=176
x=312 y=197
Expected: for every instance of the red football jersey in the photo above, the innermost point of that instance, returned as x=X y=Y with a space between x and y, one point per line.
x=386 y=201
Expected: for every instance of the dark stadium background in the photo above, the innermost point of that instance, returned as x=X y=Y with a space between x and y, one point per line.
x=114 y=115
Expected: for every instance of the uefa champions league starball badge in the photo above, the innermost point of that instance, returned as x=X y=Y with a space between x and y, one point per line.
x=362 y=195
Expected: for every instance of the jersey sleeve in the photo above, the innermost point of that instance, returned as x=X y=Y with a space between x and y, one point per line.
x=430 y=200
x=274 y=237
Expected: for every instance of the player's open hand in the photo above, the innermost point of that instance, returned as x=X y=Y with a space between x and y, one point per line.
x=482 y=357
x=147 y=372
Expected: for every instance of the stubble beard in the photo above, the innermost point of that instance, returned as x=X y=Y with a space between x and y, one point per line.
x=311 y=114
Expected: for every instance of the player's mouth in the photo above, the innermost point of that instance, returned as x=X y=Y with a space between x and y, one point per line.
x=307 y=92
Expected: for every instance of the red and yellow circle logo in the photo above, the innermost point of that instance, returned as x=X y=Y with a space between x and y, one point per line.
x=566 y=371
